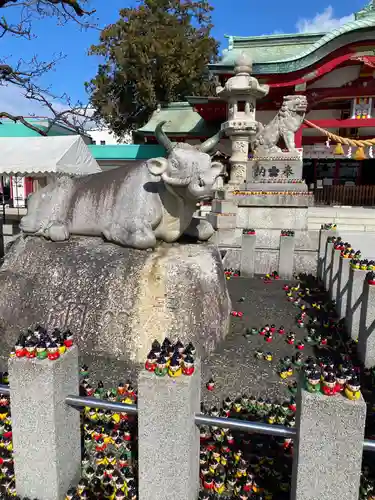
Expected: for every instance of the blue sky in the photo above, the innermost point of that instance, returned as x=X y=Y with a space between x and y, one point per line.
x=236 y=17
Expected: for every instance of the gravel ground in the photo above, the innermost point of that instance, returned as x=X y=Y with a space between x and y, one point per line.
x=233 y=366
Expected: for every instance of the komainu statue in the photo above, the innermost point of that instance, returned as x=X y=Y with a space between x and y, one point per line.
x=284 y=125
x=132 y=206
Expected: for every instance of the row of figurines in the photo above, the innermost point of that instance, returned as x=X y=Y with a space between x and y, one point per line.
x=249 y=408
x=105 y=483
x=363 y=265
x=331 y=383
x=114 y=442
x=125 y=393
x=329 y=227
x=279 y=180
x=226 y=470
x=173 y=359
x=229 y=272
x=38 y=343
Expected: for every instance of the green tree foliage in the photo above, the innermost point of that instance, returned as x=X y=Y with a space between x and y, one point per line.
x=155 y=53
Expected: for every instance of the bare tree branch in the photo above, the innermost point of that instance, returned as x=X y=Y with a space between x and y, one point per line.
x=25 y=74
x=22 y=120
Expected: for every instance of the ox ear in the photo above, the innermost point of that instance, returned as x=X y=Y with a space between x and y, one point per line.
x=157 y=166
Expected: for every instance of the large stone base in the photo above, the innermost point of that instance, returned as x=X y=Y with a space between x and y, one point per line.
x=115 y=300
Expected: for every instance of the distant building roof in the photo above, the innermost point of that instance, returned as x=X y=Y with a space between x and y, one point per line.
x=8 y=128
x=126 y=151
x=286 y=53
x=181 y=120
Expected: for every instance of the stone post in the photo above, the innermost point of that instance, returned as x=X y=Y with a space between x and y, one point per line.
x=247 y=266
x=328 y=448
x=343 y=287
x=354 y=304
x=286 y=257
x=46 y=432
x=323 y=237
x=327 y=265
x=334 y=277
x=366 y=337
x=168 y=437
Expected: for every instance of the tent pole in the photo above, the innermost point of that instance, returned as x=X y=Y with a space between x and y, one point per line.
x=3 y=197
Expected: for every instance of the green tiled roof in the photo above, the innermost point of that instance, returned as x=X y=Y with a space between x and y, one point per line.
x=288 y=53
x=181 y=120
x=9 y=128
x=268 y=48
x=126 y=151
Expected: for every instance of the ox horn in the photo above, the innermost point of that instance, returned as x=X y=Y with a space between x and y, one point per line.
x=206 y=146
x=161 y=136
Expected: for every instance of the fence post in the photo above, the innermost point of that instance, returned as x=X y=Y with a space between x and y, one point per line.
x=168 y=438
x=355 y=298
x=366 y=337
x=46 y=432
x=323 y=237
x=327 y=264
x=286 y=257
x=247 y=266
x=328 y=448
x=334 y=277
x=343 y=287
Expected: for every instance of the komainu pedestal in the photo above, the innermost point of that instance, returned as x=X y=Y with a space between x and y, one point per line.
x=115 y=300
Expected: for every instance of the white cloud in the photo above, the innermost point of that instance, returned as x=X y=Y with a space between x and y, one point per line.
x=12 y=101
x=323 y=22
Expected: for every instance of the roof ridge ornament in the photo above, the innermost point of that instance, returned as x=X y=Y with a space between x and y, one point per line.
x=368 y=10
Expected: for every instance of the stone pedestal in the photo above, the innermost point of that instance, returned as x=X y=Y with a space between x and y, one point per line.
x=46 y=432
x=334 y=275
x=355 y=301
x=328 y=449
x=366 y=337
x=343 y=287
x=248 y=255
x=286 y=257
x=115 y=300
x=167 y=436
x=328 y=265
x=323 y=237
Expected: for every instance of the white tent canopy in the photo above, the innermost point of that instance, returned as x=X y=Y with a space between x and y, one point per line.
x=46 y=155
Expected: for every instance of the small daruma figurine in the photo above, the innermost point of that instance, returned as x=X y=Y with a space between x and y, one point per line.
x=329 y=385
x=161 y=367
x=353 y=389
x=19 y=348
x=53 y=351
x=313 y=382
x=174 y=369
x=188 y=365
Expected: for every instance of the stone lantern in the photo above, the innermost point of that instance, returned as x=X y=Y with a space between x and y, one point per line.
x=241 y=92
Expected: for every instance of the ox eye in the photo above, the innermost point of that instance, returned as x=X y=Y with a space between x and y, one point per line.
x=173 y=163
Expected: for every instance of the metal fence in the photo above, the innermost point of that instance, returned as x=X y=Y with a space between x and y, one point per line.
x=200 y=419
x=363 y=196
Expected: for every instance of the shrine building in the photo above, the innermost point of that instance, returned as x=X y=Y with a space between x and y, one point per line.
x=335 y=71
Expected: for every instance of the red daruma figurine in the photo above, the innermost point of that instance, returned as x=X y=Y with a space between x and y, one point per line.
x=210 y=385
x=188 y=365
x=68 y=338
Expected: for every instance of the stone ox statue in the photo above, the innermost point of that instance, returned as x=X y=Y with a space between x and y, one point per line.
x=132 y=206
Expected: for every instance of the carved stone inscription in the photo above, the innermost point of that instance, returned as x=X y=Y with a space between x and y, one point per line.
x=67 y=313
